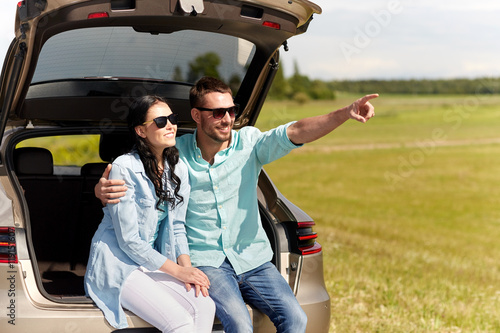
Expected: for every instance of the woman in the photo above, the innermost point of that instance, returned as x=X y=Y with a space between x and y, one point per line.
x=139 y=256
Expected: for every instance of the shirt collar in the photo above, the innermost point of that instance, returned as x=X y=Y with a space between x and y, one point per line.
x=220 y=156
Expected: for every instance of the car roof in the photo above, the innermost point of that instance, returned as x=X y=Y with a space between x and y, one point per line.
x=42 y=96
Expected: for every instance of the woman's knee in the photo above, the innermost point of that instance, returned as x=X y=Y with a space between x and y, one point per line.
x=204 y=307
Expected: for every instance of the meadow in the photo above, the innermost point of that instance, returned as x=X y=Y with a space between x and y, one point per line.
x=407 y=210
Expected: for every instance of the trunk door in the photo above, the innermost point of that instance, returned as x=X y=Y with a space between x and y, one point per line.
x=82 y=61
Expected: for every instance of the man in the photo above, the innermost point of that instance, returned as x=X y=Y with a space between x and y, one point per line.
x=226 y=238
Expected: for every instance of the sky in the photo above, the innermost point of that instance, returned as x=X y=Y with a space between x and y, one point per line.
x=381 y=39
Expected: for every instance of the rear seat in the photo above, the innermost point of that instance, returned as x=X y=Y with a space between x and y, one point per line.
x=63 y=212
x=52 y=202
x=89 y=215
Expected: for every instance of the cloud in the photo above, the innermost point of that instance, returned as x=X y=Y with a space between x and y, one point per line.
x=417 y=39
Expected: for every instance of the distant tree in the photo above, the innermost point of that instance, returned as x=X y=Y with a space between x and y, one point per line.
x=204 y=65
x=412 y=86
x=299 y=82
x=321 y=90
x=280 y=89
x=178 y=74
x=234 y=83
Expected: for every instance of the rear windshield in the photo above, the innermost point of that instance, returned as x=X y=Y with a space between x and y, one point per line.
x=122 y=52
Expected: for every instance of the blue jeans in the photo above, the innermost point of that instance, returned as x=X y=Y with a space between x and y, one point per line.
x=263 y=288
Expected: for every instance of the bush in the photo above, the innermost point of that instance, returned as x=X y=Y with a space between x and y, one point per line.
x=301 y=98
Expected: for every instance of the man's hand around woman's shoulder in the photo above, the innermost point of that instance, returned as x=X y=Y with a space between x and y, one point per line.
x=109 y=191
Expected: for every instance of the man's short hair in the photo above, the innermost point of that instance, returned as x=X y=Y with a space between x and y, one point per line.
x=204 y=86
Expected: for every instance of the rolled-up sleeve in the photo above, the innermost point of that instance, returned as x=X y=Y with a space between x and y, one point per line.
x=274 y=144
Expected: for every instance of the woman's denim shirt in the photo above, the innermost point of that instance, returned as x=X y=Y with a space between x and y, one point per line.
x=122 y=241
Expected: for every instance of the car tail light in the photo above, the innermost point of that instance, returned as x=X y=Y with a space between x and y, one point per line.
x=8 y=245
x=307 y=238
x=273 y=25
x=98 y=15
x=29 y=9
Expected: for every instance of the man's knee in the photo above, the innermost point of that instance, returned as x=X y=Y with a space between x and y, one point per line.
x=234 y=316
x=235 y=324
x=300 y=320
x=295 y=320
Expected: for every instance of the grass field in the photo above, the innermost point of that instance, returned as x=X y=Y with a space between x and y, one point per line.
x=407 y=208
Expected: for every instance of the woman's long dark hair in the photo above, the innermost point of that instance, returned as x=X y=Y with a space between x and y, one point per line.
x=136 y=117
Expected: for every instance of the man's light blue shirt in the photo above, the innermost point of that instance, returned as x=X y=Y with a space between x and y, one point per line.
x=223 y=216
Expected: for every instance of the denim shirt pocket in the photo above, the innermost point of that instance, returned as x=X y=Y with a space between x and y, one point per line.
x=146 y=216
x=145 y=207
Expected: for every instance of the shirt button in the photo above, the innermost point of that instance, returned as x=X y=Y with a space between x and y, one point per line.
x=220 y=206
x=224 y=228
x=216 y=187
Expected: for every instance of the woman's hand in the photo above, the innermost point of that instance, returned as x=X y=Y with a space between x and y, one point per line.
x=193 y=276
x=183 y=271
x=198 y=289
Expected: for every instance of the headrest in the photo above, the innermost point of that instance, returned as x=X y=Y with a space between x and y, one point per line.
x=93 y=169
x=33 y=161
x=113 y=145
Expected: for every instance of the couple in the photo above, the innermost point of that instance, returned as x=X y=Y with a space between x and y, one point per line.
x=140 y=258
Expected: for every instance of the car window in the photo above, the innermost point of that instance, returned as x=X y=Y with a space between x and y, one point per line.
x=69 y=152
x=122 y=52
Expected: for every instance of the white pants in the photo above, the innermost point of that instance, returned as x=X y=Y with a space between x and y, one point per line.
x=164 y=302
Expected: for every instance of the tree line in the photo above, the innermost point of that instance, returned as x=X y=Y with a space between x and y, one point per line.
x=300 y=88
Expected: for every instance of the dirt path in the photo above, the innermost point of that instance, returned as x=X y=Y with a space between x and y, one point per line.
x=443 y=143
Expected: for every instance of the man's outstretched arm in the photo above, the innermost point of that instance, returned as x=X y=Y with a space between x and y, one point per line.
x=310 y=129
x=109 y=190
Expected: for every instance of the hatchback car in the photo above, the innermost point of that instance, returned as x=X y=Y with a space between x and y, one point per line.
x=68 y=79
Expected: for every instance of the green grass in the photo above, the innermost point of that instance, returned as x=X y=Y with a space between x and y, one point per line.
x=410 y=231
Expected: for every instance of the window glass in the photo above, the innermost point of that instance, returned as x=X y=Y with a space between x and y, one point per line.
x=69 y=152
x=183 y=56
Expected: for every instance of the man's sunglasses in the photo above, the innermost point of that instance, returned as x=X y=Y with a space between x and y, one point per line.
x=221 y=112
x=162 y=121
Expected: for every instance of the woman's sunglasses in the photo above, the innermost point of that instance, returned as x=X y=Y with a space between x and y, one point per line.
x=162 y=121
x=221 y=112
